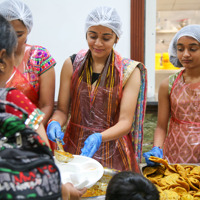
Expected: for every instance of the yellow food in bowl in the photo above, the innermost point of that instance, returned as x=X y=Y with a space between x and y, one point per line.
x=63 y=156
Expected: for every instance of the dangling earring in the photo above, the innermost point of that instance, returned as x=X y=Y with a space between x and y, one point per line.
x=2 y=68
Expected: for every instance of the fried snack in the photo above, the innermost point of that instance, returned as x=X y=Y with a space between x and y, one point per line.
x=187 y=197
x=197 y=194
x=149 y=170
x=168 y=172
x=194 y=181
x=181 y=181
x=169 y=180
x=63 y=156
x=192 y=192
x=169 y=195
x=194 y=176
x=192 y=186
x=177 y=181
x=179 y=190
x=195 y=170
x=180 y=169
x=164 y=162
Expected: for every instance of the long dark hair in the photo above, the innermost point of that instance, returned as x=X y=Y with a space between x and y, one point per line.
x=8 y=38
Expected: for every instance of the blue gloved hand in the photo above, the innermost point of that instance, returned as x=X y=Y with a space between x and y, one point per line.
x=156 y=152
x=54 y=131
x=92 y=144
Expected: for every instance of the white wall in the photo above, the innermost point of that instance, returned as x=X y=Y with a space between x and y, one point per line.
x=150 y=41
x=59 y=26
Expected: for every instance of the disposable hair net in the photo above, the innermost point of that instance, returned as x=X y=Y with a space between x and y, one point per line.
x=15 y=9
x=190 y=30
x=104 y=16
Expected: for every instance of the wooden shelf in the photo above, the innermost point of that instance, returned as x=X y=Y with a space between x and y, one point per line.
x=167 y=71
x=166 y=31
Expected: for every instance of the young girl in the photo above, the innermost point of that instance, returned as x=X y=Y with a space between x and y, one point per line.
x=179 y=100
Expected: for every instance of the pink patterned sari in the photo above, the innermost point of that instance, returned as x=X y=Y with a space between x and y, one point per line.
x=182 y=144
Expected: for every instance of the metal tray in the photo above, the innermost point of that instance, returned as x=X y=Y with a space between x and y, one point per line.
x=102 y=183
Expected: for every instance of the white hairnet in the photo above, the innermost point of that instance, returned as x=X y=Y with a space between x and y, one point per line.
x=15 y=9
x=104 y=16
x=189 y=30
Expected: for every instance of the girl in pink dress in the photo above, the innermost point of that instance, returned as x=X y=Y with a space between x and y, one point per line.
x=179 y=102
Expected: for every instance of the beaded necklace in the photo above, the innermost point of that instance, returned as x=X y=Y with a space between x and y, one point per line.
x=92 y=90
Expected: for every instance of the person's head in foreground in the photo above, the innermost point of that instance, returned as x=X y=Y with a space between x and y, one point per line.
x=8 y=43
x=127 y=185
x=20 y=16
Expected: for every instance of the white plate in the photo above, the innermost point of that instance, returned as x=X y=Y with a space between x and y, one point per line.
x=81 y=171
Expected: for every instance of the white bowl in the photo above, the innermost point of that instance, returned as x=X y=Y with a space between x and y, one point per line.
x=81 y=171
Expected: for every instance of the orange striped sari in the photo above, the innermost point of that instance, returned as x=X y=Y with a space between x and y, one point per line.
x=95 y=109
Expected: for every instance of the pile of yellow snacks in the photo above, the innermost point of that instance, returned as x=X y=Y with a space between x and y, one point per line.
x=177 y=182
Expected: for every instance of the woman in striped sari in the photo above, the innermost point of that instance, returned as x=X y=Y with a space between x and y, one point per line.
x=105 y=96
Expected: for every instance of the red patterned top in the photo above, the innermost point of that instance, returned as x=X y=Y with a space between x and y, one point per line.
x=18 y=98
x=37 y=60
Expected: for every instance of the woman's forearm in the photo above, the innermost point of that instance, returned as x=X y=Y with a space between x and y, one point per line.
x=118 y=130
x=47 y=110
x=159 y=137
x=60 y=116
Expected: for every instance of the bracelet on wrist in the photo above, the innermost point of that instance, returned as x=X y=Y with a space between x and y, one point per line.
x=156 y=146
x=34 y=119
x=51 y=121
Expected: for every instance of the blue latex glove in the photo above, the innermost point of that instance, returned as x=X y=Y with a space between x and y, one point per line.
x=155 y=151
x=92 y=144
x=54 y=131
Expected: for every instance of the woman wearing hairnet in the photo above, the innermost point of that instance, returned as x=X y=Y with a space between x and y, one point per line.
x=8 y=43
x=34 y=72
x=179 y=99
x=103 y=93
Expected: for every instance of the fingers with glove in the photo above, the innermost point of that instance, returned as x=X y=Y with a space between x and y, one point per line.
x=91 y=145
x=156 y=152
x=54 y=131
